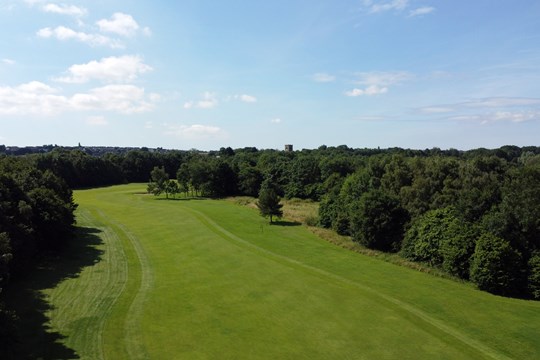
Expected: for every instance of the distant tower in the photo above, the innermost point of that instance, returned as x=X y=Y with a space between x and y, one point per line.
x=288 y=148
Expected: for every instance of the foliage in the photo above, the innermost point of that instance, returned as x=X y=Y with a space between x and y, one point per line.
x=269 y=203
x=496 y=266
x=159 y=182
x=457 y=248
x=36 y=219
x=378 y=221
x=534 y=276
x=441 y=238
x=249 y=180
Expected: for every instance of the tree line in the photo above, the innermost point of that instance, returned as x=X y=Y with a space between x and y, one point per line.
x=36 y=219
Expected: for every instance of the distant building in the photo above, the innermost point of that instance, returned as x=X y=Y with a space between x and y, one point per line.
x=288 y=147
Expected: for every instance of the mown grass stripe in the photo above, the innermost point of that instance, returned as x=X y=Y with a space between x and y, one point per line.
x=134 y=332
x=83 y=308
x=125 y=325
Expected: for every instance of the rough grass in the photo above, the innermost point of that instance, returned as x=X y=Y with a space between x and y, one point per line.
x=193 y=279
x=306 y=213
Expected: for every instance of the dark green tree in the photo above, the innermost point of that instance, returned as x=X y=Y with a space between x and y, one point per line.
x=183 y=177
x=159 y=182
x=441 y=238
x=534 y=276
x=496 y=266
x=378 y=220
x=172 y=188
x=249 y=180
x=269 y=203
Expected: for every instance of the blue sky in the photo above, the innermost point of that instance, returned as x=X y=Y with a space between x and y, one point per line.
x=206 y=74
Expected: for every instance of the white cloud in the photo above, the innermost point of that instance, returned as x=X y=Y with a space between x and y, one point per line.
x=36 y=87
x=154 y=97
x=31 y=98
x=7 y=6
x=376 y=83
x=502 y=102
x=111 y=69
x=465 y=118
x=323 y=78
x=120 y=24
x=208 y=101
x=375 y=7
x=125 y=99
x=33 y=2
x=386 y=6
x=195 y=132
x=436 y=109
x=519 y=116
x=487 y=104
x=500 y=116
x=146 y=31
x=370 y=118
x=490 y=110
x=64 y=33
x=276 y=121
x=8 y=61
x=246 y=98
x=36 y=98
x=96 y=121
x=380 y=78
x=369 y=91
x=421 y=11
x=64 y=9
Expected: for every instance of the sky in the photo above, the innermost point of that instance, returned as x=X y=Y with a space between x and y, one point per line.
x=201 y=74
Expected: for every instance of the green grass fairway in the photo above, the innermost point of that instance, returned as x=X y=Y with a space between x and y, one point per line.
x=205 y=279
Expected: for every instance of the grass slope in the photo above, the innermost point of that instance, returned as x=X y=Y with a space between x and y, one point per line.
x=193 y=279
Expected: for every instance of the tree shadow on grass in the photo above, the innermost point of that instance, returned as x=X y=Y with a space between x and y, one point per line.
x=286 y=223
x=182 y=199
x=25 y=296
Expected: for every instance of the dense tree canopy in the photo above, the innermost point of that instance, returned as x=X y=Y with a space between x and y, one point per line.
x=36 y=218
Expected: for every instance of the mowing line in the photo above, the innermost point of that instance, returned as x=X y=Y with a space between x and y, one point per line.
x=132 y=339
x=471 y=343
x=125 y=265
x=97 y=302
x=134 y=342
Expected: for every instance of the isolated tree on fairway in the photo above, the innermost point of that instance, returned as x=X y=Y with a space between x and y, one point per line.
x=269 y=203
